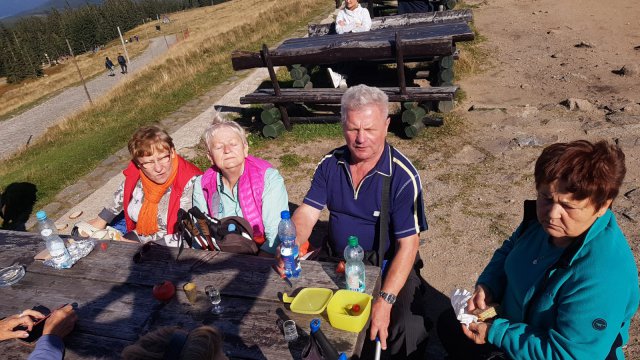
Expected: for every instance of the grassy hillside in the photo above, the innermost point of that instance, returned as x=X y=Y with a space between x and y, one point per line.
x=188 y=70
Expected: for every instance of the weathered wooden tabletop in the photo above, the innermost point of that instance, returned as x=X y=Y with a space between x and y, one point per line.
x=116 y=306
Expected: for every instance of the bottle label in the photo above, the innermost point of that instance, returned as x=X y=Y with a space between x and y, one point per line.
x=291 y=262
x=355 y=278
x=46 y=232
x=353 y=281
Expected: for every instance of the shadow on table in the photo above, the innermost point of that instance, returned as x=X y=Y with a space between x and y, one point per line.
x=129 y=309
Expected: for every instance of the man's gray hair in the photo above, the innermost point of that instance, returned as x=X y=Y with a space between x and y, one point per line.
x=359 y=96
x=218 y=123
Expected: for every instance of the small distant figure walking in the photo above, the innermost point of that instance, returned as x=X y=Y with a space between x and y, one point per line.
x=123 y=63
x=109 y=65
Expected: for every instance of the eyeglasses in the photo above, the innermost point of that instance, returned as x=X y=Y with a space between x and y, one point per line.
x=148 y=165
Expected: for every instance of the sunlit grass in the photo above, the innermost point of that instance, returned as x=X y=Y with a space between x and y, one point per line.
x=188 y=70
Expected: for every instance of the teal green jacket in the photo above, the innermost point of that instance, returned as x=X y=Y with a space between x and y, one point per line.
x=579 y=309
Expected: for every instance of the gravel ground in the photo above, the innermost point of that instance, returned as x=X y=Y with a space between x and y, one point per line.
x=26 y=127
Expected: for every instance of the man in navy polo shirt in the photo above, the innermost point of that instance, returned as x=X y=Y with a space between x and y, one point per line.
x=348 y=181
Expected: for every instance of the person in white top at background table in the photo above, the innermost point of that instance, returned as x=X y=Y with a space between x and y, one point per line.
x=351 y=18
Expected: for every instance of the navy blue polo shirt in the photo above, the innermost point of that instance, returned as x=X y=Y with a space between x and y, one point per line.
x=355 y=211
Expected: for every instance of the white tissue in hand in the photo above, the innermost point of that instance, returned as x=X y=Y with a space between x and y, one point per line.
x=459 y=298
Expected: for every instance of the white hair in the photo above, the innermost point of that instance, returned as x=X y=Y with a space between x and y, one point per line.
x=359 y=96
x=219 y=123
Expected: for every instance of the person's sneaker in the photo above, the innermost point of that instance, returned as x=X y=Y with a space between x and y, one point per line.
x=335 y=78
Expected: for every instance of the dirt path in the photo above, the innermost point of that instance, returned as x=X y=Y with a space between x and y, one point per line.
x=33 y=123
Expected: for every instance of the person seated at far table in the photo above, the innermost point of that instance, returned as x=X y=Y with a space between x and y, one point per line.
x=56 y=327
x=238 y=184
x=351 y=18
x=174 y=343
x=158 y=182
x=566 y=280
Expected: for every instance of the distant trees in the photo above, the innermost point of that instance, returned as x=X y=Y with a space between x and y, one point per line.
x=23 y=45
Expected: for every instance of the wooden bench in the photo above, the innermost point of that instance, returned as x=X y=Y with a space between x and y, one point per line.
x=412 y=116
x=333 y=96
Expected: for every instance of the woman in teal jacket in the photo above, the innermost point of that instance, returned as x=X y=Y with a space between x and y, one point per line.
x=566 y=280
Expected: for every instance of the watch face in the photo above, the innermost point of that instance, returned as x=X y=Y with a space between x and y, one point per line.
x=390 y=298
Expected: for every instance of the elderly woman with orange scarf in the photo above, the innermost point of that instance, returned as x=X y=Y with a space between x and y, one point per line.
x=157 y=183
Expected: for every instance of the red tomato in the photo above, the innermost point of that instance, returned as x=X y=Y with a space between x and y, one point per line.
x=164 y=291
x=355 y=308
x=340 y=267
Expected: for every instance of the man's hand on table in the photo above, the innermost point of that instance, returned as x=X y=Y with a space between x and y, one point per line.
x=380 y=318
x=61 y=322
x=23 y=319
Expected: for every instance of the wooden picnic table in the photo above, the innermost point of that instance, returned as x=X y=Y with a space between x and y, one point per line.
x=420 y=41
x=116 y=306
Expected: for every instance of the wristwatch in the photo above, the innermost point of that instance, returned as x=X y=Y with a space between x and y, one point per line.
x=390 y=298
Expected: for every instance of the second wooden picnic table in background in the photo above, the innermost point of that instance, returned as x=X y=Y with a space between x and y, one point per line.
x=116 y=306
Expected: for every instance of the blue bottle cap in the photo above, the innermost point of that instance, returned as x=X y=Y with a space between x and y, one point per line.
x=315 y=325
x=285 y=215
x=231 y=227
x=342 y=356
x=41 y=215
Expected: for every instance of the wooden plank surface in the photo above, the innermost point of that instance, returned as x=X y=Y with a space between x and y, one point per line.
x=421 y=40
x=115 y=302
x=400 y=20
x=333 y=96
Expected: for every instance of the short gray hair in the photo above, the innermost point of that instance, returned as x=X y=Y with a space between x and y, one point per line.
x=359 y=96
x=218 y=123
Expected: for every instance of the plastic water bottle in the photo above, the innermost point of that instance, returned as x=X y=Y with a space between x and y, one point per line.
x=354 y=267
x=288 y=246
x=58 y=251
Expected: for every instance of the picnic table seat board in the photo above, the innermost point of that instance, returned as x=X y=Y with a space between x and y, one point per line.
x=421 y=40
x=394 y=21
x=333 y=96
x=116 y=306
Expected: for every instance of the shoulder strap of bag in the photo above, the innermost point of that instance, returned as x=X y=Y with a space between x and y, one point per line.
x=383 y=228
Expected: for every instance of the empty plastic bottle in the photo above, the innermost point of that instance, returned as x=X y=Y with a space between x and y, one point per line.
x=288 y=246
x=58 y=251
x=354 y=267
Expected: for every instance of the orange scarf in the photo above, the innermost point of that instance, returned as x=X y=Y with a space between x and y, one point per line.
x=153 y=193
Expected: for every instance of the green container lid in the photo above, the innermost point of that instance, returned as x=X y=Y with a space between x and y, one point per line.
x=353 y=240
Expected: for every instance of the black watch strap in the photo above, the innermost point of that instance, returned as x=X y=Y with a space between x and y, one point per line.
x=388 y=297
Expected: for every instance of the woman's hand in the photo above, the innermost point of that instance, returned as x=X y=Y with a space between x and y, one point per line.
x=477 y=332
x=481 y=297
x=25 y=319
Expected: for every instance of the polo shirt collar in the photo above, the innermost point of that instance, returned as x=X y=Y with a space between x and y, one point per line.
x=383 y=166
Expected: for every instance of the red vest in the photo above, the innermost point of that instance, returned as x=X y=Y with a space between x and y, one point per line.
x=186 y=171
